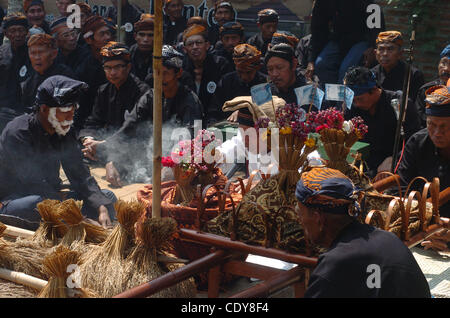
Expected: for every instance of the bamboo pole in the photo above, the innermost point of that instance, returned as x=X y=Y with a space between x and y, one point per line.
x=22 y=279
x=236 y=246
x=13 y=231
x=119 y=21
x=157 y=110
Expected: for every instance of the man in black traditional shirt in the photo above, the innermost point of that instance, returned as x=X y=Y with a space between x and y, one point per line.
x=231 y=34
x=118 y=95
x=124 y=148
x=131 y=13
x=268 y=24
x=444 y=76
x=15 y=67
x=32 y=149
x=142 y=51
x=281 y=65
x=35 y=12
x=374 y=105
x=205 y=68
x=174 y=22
x=223 y=13
x=360 y=261
x=70 y=52
x=96 y=34
x=427 y=153
x=247 y=59
x=390 y=72
x=42 y=50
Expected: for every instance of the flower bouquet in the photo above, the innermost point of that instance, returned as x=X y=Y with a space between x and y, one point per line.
x=338 y=136
x=295 y=142
x=191 y=166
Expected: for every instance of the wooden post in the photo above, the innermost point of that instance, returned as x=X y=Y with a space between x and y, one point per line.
x=157 y=110
x=119 y=22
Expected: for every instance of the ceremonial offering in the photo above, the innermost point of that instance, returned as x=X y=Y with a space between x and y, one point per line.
x=337 y=137
x=51 y=228
x=191 y=166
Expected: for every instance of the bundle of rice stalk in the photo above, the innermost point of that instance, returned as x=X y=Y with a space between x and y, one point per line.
x=23 y=256
x=69 y=211
x=59 y=266
x=102 y=267
x=2 y=228
x=152 y=237
x=51 y=228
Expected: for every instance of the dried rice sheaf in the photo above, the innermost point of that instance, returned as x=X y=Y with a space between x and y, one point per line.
x=69 y=211
x=51 y=228
x=103 y=265
x=59 y=265
x=153 y=236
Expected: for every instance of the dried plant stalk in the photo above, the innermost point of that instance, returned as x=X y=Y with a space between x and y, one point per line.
x=70 y=212
x=153 y=236
x=51 y=228
x=103 y=266
x=56 y=266
x=23 y=256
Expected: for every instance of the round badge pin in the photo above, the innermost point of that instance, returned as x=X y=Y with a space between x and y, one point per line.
x=211 y=87
x=301 y=114
x=128 y=27
x=23 y=71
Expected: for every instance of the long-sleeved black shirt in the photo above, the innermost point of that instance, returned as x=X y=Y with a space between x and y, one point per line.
x=131 y=13
x=141 y=62
x=30 y=86
x=30 y=161
x=289 y=94
x=382 y=127
x=110 y=105
x=393 y=81
x=171 y=30
x=130 y=140
x=74 y=58
x=422 y=158
x=258 y=42
x=15 y=68
x=214 y=67
x=231 y=86
x=91 y=72
x=344 y=21
x=359 y=258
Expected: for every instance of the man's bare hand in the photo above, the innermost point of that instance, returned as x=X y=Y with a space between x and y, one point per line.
x=90 y=148
x=438 y=241
x=103 y=217
x=234 y=117
x=384 y=166
x=112 y=175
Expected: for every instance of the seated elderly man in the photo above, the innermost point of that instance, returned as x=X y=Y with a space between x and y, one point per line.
x=281 y=66
x=247 y=60
x=427 y=153
x=15 y=66
x=443 y=77
x=33 y=147
x=360 y=260
x=42 y=50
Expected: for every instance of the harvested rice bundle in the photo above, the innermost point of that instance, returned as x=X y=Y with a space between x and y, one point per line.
x=51 y=228
x=23 y=256
x=59 y=266
x=12 y=290
x=103 y=266
x=153 y=236
x=69 y=211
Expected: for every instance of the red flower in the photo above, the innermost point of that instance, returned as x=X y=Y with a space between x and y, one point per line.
x=167 y=162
